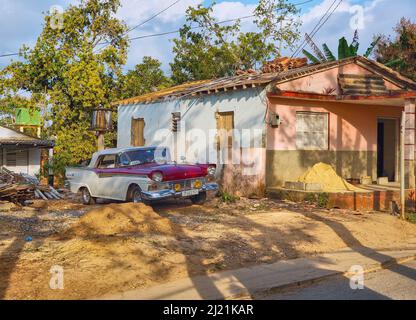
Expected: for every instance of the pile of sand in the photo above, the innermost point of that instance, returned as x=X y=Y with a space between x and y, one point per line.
x=121 y=219
x=326 y=176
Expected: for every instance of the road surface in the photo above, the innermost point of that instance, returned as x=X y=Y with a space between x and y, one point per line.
x=398 y=283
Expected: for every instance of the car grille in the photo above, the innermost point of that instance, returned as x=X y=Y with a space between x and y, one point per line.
x=186 y=184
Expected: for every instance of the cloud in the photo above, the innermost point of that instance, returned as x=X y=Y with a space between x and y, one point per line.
x=21 y=22
x=379 y=17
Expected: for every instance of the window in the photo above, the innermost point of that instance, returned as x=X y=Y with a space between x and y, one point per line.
x=107 y=162
x=311 y=131
x=11 y=159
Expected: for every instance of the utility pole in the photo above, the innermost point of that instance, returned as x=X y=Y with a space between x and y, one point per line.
x=100 y=141
x=402 y=166
x=101 y=123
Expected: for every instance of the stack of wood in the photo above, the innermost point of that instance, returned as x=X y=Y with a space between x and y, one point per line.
x=284 y=64
x=18 y=188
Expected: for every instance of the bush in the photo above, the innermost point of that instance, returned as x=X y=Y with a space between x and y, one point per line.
x=320 y=199
x=228 y=198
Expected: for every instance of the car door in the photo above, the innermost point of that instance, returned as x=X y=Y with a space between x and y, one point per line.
x=105 y=172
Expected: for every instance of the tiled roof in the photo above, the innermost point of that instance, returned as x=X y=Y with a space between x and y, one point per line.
x=251 y=80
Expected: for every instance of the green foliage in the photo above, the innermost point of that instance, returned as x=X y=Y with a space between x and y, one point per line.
x=320 y=199
x=372 y=47
x=69 y=72
x=399 y=52
x=146 y=77
x=345 y=50
x=311 y=57
x=328 y=53
x=411 y=217
x=228 y=198
x=207 y=49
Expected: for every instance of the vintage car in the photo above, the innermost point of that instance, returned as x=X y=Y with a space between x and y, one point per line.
x=141 y=175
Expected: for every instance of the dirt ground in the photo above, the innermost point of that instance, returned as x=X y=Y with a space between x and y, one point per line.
x=117 y=247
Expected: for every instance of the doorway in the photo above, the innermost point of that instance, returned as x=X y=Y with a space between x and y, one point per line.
x=387 y=143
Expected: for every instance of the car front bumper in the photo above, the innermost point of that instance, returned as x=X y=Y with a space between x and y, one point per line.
x=168 y=193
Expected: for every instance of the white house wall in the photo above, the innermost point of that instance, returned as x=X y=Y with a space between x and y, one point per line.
x=249 y=107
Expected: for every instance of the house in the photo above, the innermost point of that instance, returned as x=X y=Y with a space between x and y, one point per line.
x=345 y=113
x=21 y=153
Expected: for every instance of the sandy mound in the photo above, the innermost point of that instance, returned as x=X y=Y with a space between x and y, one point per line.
x=327 y=177
x=121 y=219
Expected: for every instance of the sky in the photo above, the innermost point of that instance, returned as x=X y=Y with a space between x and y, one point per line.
x=21 y=22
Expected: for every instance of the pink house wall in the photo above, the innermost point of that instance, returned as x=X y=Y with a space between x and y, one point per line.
x=352 y=127
x=322 y=81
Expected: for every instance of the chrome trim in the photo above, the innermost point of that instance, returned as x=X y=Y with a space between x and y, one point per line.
x=167 y=193
x=210 y=187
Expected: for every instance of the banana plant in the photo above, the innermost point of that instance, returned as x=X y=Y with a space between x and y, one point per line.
x=345 y=50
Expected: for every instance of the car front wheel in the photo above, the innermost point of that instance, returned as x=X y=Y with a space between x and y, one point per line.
x=136 y=195
x=87 y=199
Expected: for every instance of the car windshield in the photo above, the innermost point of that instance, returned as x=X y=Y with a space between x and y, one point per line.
x=143 y=156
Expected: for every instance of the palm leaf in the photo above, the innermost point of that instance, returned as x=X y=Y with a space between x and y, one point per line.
x=328 y=53
x=311 y=57
x=394 y=63
x=343 y=49
x=371 y=47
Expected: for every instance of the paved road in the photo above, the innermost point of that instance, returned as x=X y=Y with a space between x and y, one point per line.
x=397 y=282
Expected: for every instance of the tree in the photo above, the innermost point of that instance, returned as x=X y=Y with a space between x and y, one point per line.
x=72 y=69
x=145 y=77
x=345 y=50
x=209 y=49
x=399 y=53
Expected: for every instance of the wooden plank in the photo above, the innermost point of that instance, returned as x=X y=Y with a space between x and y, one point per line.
x=360 y=76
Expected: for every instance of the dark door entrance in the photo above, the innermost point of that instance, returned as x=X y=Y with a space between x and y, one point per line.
x=387 y=148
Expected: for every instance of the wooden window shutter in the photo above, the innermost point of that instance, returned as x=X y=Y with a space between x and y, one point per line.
x=137 y=132
x=225 y=121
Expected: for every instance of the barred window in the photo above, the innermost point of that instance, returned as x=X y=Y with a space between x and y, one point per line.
x=311 y=131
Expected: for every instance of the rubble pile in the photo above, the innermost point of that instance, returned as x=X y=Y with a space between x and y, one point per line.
x=284 y=64
x=20 y=188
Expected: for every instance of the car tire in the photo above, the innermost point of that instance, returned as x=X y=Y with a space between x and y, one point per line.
x=87 y=199
x=200 y=198
x=135 y=195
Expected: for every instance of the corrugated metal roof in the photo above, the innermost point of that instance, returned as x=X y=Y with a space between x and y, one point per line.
x=251 y=80
x=26 y=142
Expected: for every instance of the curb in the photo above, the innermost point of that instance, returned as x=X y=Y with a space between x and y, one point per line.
x=272 y=290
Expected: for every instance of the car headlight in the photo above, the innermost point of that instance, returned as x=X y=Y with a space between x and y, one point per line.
x=157 y=176
x=211 y=170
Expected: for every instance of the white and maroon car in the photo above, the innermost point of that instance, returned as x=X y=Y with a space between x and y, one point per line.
x=140 y=174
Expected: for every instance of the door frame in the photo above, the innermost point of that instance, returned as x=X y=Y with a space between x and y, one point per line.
x=397 y=151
